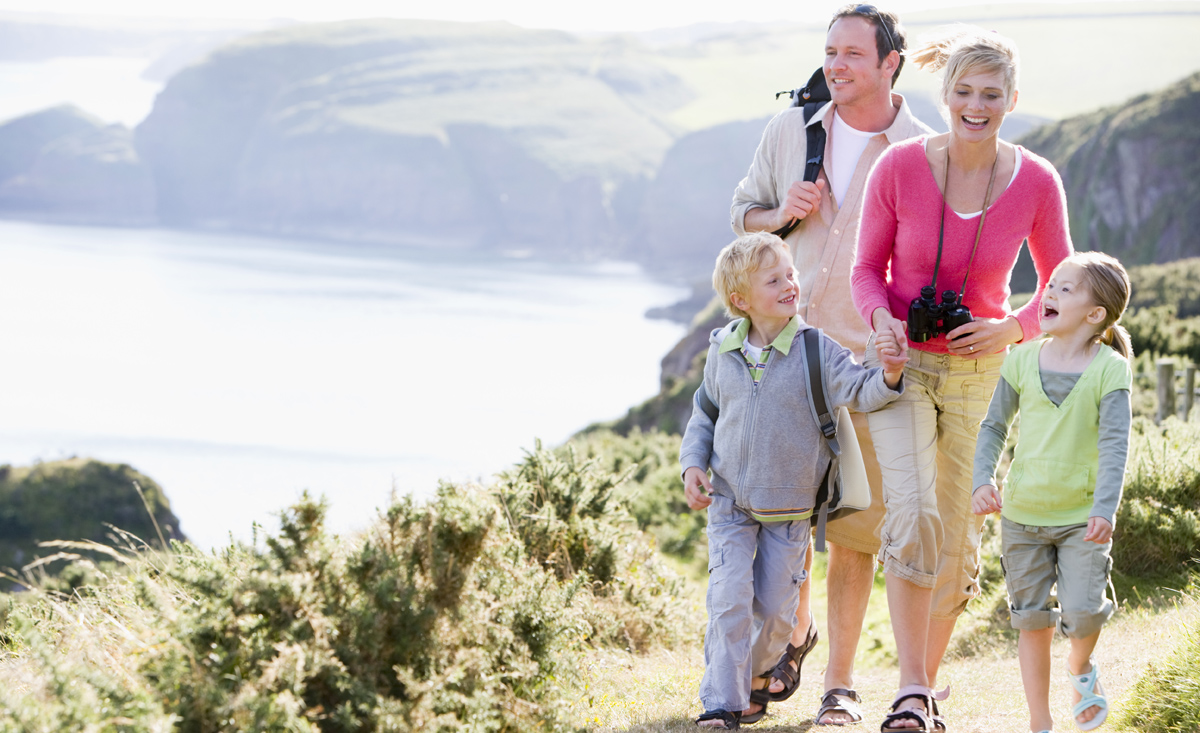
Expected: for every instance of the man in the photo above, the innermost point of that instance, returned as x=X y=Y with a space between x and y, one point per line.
x=863 y=58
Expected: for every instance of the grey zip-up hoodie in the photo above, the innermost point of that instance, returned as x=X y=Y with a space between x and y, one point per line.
x=766 y=450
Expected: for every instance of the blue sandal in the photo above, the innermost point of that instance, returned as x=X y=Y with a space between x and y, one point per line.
x=1085 y=685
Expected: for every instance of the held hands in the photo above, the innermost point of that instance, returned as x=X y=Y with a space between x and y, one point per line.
x=893 y=355
x=697 y=488
x=801 y=199
x=983 y=337
x=986 y=499
x=1098 y=531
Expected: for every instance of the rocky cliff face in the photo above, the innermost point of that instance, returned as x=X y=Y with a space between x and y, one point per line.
x=1132 y=174
x=65 y=165
x=478 y=133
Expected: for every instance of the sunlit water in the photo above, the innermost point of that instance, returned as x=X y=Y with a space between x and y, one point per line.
x=239 y=371
x=108 y=87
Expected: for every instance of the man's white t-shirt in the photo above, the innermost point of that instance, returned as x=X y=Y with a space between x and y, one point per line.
x=848 y=146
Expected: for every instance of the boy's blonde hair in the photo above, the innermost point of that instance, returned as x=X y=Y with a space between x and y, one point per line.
x=962 y=49
x=740 y=259
x=1108 y=283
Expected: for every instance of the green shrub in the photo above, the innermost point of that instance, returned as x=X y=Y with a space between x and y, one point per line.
x=1166 y=698
x=1158 y=523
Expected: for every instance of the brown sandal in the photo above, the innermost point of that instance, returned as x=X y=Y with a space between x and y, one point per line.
x=783 y=671
x=833 y=702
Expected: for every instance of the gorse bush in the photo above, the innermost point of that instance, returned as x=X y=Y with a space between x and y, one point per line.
x=1166 y=698
x=1158 y=524
x=465 y=612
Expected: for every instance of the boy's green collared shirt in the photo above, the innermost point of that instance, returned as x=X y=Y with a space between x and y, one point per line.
x=783 y=341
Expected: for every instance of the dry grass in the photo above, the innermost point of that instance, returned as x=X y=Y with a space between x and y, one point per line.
x=656 y=693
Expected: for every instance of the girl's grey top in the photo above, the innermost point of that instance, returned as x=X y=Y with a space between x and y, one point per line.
x=1113 y=441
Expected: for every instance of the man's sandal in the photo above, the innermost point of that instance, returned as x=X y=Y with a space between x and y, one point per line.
x=841 y=701
x=928 y=720
x=1085 y=685
x=784 y=672
x=731 y=720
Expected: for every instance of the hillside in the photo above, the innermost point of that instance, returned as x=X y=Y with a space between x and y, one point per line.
x=1132 y=174
x=394 y=130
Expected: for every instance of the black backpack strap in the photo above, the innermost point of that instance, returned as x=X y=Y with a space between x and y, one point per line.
x=814 y=150
x=706 y=403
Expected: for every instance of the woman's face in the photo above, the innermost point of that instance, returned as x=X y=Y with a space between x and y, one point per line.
x=977 y=105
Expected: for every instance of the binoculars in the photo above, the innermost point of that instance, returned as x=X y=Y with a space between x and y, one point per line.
x=928 y=318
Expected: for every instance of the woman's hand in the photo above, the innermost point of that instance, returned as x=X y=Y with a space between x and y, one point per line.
x=983 y=337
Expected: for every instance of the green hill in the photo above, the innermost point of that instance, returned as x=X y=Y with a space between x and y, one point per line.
x=1132 y=174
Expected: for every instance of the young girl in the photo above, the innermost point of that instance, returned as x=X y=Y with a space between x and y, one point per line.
x=1060 y=501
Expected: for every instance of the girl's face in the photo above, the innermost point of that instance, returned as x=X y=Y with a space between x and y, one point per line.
x=1067 y=304
x=977 y=105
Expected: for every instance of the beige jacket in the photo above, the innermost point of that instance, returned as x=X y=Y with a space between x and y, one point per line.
x=823 y=244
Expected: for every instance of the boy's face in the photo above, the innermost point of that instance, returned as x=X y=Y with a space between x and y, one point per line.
x=773 y=291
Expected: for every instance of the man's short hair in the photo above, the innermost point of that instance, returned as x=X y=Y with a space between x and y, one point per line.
x=740 y=259
x=888 y=31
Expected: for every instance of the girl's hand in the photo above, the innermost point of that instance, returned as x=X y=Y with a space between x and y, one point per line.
x=693 y=479
x=986 y=500
x=984 y=337
x=1098 y=531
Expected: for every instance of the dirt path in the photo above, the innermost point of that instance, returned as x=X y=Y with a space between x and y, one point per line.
x=657 y=693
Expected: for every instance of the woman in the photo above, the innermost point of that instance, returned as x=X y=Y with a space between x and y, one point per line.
x=950 y=212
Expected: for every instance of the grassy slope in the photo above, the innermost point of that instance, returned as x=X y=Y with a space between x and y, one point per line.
x=1070 y=64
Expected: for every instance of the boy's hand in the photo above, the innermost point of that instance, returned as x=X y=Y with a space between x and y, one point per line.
x=986 y=500
x=1098 y=531
x=892 y=349
x=693 y=479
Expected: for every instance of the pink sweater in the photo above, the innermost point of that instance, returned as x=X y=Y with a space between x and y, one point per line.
x=898 y=239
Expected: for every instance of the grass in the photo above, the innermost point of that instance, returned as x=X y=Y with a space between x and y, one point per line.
x=656 y=692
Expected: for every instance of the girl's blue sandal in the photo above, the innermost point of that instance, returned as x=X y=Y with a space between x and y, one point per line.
x=1085 y=685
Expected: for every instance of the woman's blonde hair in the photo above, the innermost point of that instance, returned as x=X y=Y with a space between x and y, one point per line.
x=742 y=258
x=961 y=49
x=1108 y=283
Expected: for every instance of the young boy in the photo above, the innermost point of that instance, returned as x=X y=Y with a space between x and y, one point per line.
x=768 y=457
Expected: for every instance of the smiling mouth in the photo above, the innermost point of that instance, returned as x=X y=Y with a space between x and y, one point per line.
x=1049 y=312
x=788 y=300
x=841 y=81
x=975 y=121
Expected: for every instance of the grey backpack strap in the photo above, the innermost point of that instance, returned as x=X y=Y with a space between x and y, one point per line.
x=813 y=351
x=706 y=403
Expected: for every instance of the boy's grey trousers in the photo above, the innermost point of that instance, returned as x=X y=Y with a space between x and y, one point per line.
x=755 y=570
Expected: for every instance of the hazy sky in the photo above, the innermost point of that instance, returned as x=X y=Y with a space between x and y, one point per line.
x=601 y=15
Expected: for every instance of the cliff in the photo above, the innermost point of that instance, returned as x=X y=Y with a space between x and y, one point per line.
x=1132 y=174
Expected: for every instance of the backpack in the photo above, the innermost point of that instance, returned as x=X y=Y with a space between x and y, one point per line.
x=844 y=488
x=812 y=96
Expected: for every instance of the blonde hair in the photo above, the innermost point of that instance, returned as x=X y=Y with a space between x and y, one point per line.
x=1108 y=283
x=961 y=49
x=742 y=258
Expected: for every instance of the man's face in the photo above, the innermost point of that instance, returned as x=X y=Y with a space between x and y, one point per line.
x=852 y=67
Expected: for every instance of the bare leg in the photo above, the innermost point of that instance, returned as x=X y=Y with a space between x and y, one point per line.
x=908 y=605
x=1033 y=650
x=1078 y=662
x=940 y=631
x=803 y=614
x=849 y=589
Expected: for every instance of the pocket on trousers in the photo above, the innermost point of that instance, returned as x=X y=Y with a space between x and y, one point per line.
x=976 y=396
x=716 y=558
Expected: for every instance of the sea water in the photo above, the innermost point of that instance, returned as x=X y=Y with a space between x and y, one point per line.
x=239 y=371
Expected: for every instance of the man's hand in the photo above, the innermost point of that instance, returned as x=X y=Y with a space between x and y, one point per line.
x=1098 y=531
x=986 y=500
x=801 y=200
x=893 y=355
x=693 y=480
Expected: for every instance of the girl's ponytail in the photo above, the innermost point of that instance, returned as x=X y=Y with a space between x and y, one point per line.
x=1118 y=338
